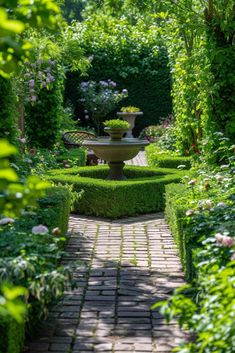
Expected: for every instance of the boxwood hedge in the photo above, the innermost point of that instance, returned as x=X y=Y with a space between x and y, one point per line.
x=164 y=160
x=175 y=216
x=142 y=192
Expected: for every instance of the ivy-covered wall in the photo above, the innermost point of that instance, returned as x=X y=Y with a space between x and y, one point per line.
x=133 y=57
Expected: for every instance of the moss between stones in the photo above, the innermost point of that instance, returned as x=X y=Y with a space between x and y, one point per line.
x=143 y=192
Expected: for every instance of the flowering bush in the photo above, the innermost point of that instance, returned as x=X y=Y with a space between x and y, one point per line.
x=202 y=218
x=100 y=98
x=152 y=133
x=43 y=98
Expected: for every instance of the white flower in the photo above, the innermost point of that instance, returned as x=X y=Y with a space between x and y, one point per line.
x=192 y=182
x=222 y=205
x=189 y=213
x=6 y=220
x=40 y=229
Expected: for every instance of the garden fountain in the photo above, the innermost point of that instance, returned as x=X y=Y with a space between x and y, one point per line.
x=115 y=151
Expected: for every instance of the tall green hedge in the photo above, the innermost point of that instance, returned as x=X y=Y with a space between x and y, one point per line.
x=12 y=335
x=8 y=112
x=132 y=56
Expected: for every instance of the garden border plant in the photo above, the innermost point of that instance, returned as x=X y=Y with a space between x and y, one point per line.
x=142 y=192
x=163 y=160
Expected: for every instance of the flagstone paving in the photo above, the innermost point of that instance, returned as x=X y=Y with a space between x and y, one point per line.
x=122 y=268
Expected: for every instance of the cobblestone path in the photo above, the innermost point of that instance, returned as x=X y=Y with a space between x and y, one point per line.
x=140 y=160
x=124 y=266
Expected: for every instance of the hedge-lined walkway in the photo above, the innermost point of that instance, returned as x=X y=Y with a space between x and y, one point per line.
x=123 y=268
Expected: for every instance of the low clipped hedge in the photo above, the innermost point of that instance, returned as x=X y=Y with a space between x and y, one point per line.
x=163 y=160
x=175 y=215
x=142 y=192
x=54 y=208
x=11 y=335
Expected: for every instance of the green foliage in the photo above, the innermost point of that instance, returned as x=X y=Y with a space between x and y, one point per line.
x=23 y=15
x=12 y=311
x=176 y=207
x=200 y=45
x=8 y=113
x=54 y=209
x=39 y=161
x=44 y=112
x=152 y=133
x=157 y=158
x=133 y=56
x=130 y=109
x=201 y=217
x=116 y=124
x=143 y=192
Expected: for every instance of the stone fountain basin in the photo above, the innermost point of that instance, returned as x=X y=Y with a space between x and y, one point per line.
x=116 y=151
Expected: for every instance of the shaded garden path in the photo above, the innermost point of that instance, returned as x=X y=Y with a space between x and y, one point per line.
x=122 y=268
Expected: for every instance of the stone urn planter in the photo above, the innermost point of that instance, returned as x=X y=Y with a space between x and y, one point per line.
x=130 y=118
x=115 y=134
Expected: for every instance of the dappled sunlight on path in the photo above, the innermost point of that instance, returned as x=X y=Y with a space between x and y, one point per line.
x=124 y=267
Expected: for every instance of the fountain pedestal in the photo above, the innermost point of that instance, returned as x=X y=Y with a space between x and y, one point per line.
x=116 y=171
x=116 y=153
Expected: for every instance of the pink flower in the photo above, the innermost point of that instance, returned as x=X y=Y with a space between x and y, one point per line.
x=219 y=237
x=224 y=240
x=22 y=140
x=40 y=229
x=6 y=220
x=227 y=241
x=233 y=256
x=208 y=203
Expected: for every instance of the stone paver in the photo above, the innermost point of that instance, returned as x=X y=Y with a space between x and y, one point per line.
x=122 y=267
x=140 y=160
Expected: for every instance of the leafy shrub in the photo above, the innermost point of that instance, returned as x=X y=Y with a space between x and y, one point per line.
x=130 y=109
x=116 y=124
x=143 y=192
x=157 y=158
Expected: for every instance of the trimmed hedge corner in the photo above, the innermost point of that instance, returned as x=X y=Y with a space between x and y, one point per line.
x=175 y=216
x=143 y=192
x=163 y=160
x=54 y=208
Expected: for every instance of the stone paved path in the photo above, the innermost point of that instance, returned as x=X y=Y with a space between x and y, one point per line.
x=140 y=160
x=124 y=266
